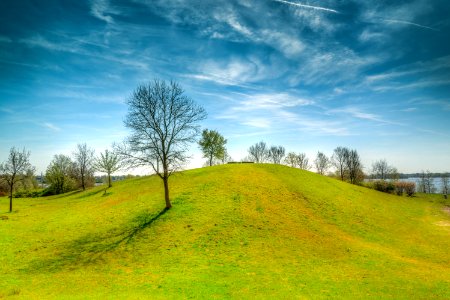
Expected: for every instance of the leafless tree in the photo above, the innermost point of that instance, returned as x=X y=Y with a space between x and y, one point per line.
x=258 y=152
x=15 y=169
x=382 y=170
x=276 y=154
x=109 y=163
x=212 y=144
x=445 y=184
x=321 y=163
x=163 y=122
x=354 y=166
x=84 y=160
x=291 y=159
x=338 y=160
x=303 y=161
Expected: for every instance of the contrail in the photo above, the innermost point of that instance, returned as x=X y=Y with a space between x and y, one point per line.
x=405 y=22
x=308 y=6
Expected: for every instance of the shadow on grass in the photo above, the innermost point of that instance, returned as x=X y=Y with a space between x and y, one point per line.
x=90 y=249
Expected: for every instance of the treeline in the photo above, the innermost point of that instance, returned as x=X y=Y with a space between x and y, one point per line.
x=163 y=122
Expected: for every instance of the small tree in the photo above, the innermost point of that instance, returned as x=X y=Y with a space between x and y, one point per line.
x=291 y=159
x=108 y=162
x=303 y=161
x=60 y=174
x=354 y=166
x=276 y=154
x=339 y=161
x=84 y=161
x=212 y=145
x=163 y=121
x=15 y=169
x=321 y=163
x=258 y=152
x=445 y=184
x=382 y=170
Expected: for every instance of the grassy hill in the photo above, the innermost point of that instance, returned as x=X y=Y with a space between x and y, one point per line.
x=242 y=231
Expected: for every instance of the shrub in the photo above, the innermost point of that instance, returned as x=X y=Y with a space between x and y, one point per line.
x=384 y=186
x=410 y=188
x=399 y=187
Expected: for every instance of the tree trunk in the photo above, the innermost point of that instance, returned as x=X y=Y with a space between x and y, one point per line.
x=166 y=192
x=109 y=180
x=82 y=182
x=10 y=197
x=210 y=160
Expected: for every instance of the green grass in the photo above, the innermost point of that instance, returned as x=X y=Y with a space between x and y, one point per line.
x=235 y=231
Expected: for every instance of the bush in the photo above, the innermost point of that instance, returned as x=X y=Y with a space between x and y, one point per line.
x=384 y=186
x=399 y=187
x=27 y=194
x=410 y=188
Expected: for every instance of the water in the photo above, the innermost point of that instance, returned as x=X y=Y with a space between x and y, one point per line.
x=437 y=183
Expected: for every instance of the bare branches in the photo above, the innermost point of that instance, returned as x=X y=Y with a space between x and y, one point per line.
x=276 y=154
x=163 y=122
x=84 y=160
x=15 y=169
x=258 y=152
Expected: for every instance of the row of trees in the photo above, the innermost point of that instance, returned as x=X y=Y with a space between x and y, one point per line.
x=163 y=122
x=63 y=173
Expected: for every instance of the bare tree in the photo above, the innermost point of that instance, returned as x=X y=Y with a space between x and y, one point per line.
x=276 y=154
x=338 y=160
x=212 y=145
x=258 y=152
x=445 y=184
x=84 y=160
x=108 y=162
x=382 y=170
x=303 y=161
x=321 y=163
x=15 y=169
x=291 y=159
x=354 y=166
x=163 y=121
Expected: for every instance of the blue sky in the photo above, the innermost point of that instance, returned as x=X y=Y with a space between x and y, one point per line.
x=309 y=75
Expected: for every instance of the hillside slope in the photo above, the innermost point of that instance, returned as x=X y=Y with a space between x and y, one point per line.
x=239 y=231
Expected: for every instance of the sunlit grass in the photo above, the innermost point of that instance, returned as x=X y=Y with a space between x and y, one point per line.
x=239 y=231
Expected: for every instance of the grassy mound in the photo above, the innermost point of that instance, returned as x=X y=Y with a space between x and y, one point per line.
x=241 y=231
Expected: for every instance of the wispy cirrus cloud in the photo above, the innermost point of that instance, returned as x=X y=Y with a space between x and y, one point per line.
x=318 y=8
x=51 y=126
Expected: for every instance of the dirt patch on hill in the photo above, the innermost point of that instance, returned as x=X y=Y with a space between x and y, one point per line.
x=446 y=209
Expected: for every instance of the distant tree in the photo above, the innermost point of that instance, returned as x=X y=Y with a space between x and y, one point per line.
x=15 y=169
x=212 y=144
x=339 y=160
x=430 y=183
x=109 y=163
x=303 y=161
x=354 y=166
x=60 y=174
x=382 y=170
x=276 y=154
x=291 y=160
x=321 y=163
x=445 y=184
x=84 y=163
x=163 y=121
x=422 y=182
x=258 y=152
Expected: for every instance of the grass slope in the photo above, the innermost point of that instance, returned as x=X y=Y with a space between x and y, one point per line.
x=241 y=231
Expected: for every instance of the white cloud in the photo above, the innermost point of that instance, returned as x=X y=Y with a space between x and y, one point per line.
x=51 y=126
x=318 y=8
x=102 y=10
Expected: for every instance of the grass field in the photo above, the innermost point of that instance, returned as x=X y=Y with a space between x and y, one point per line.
x=235 y=231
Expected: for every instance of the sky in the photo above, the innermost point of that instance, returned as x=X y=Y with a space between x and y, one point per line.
x=309 y=75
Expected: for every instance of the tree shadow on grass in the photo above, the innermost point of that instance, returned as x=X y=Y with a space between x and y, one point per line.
x=91 y=249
